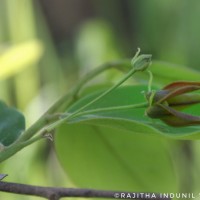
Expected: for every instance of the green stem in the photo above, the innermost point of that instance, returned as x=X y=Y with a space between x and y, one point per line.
x=107 y=91
x=70 y=97
x=139 y=63
x=115 y=108
x=59 y=122
x=93 y=111
x=150 y=80
x=14 y=148
x=60 y=105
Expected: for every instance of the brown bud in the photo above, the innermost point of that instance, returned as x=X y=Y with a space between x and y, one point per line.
x=167 y=104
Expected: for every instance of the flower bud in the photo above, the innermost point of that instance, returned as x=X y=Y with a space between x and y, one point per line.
x=142 y=62
x=166 y=104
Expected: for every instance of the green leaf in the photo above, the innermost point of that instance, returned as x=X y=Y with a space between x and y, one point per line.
x=114 y=159
x=12 y=123
x=133 y=120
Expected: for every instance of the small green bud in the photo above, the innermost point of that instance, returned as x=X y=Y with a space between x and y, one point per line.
x=141 y=62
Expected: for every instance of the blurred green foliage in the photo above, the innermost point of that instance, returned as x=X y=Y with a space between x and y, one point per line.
x=36 y=68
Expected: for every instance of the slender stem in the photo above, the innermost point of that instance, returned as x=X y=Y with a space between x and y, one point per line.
x=59 y=122
x=68 y=98
x=139 y=63
x=55 y=193
x=60 y=105
x=150 y=80
x=77 y=114
x=14 y=148
x=107 y=91
x=115 y=108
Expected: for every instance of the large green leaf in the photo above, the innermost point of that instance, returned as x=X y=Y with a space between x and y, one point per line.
x=133 y=120
x=12 y=123
x=121 y=149
x=110 y=158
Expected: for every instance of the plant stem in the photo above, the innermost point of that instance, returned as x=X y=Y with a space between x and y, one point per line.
x=115 y=108
x=107 y=91
x=56 y=193
x=123 y=65
x=61 y=104
x=93 y=111
x=70 y=97
x=139 y=63
x=14 y=148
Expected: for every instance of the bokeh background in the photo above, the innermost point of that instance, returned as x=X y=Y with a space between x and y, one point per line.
x=46 y=45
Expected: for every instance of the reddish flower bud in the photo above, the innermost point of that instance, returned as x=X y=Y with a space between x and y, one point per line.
x=167 y=103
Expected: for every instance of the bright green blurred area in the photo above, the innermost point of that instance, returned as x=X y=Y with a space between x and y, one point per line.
x=46 y=46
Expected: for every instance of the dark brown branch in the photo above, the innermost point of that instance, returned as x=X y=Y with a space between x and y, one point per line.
x=54 y=193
